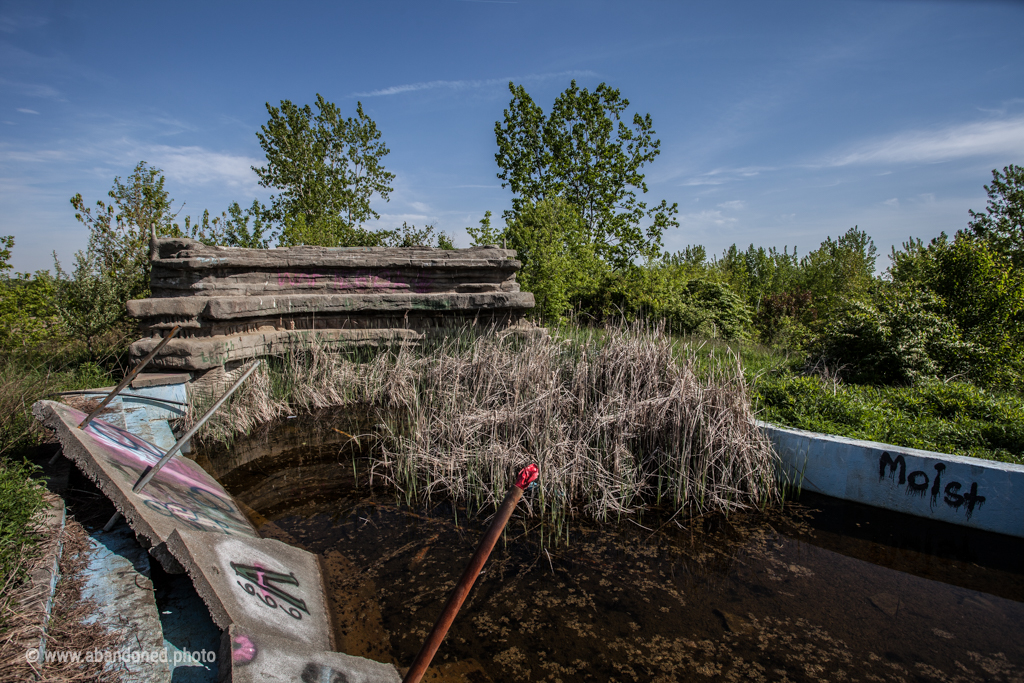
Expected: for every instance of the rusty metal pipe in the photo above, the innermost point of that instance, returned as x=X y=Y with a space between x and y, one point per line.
x=465 y=584
x=128 y=378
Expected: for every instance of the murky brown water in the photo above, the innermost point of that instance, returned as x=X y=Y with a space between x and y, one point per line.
x=823 y=591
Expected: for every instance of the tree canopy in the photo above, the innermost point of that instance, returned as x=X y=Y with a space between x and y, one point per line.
x=326 y=169
x=585 y=153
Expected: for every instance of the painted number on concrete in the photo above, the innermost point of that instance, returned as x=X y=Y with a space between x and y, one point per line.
x=266 y=586
x=917 y=484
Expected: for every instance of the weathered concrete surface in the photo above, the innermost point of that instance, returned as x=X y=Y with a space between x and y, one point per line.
x=983 y=494
x=35 y=595
x=118 y=579
x=181 y=495
x=205 y=353
x=235 y=304
x=251 y=656
x=262 y=585
x=159 y=379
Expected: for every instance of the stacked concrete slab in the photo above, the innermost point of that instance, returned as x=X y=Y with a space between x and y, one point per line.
x=267 y=596
x=235 y=304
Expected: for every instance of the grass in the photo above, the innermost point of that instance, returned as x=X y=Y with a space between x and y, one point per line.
x=954 y=418
x=617 y=419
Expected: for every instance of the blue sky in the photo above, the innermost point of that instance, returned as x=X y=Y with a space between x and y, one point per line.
x=781 y=123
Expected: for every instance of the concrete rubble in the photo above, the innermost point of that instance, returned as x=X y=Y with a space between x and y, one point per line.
x=268 y=597
x=235 y=304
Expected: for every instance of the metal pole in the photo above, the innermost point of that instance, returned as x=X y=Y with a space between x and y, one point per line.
x=128 y=378
x=151 y=471
x=465 y=584
x=91 y=392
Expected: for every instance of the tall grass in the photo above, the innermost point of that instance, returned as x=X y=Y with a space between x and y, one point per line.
x=613 y=418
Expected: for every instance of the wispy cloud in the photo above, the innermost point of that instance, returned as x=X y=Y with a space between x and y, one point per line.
x=13 y=24
x=1005 y=137
x=734 y=205
x=27 y=111
x=199 y=166
x=470 y=84
x=704 y=219
x=30 y=89
x=720 y=176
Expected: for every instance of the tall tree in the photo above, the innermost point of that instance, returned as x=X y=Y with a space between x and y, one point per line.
x=119 y=232
x=326 y=169
x=586 y=153
x=1003 y=221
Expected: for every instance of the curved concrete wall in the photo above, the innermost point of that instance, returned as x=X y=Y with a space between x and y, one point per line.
x=983 y=494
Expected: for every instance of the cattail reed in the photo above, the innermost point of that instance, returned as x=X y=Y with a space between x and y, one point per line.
x=617 y=419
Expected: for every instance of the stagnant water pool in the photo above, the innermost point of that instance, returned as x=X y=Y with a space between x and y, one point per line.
x=821 y=591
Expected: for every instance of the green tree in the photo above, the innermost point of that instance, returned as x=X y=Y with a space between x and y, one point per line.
x=119 y=232
x=326 y=169
x=27 y=315
x=585 y=153
x=1003 y=221
x=559 y=264
x=485 y=234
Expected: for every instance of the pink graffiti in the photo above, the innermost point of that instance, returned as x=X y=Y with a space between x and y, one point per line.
x=359 y=279
x=181 y=489
x=243 y=650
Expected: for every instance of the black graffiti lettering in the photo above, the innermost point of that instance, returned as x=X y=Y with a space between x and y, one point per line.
x=953 y=499
x=265 y=580
x=939 y=467
x=973 y=499
x=887 y=461
x=915 y=485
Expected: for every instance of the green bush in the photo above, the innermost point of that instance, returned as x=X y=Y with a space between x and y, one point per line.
x=21 y=497
x=901 y=336
x=955 y=417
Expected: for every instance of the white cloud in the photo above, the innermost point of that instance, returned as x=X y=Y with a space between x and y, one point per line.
x=198 y=166
x=705 y=218
x=720 y=176
x=892 y=202
x=468 y=84
x=28 y=111
x=734 y=205
x=997 y=138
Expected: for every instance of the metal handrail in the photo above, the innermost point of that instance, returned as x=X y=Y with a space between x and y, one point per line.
x=128 y=378
x=151 y=471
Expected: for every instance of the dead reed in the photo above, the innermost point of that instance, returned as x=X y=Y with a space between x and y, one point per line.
x=612 y=418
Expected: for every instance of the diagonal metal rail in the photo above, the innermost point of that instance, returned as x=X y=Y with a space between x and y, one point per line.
x=151 y=471
x=128 y=378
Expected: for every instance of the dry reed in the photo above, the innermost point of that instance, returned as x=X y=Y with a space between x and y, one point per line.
x=612 y=417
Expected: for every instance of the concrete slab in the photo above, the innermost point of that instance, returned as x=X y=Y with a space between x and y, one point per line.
x=971 y=492
x=262 y=585
x=117 y=578
x=182 y=495
x=250 y=656
x=159 y=379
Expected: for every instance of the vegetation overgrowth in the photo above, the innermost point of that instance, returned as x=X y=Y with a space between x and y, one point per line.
x=926 y=350
x=615 y=420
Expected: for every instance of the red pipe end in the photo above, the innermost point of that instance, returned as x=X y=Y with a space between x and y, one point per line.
x=527 y=476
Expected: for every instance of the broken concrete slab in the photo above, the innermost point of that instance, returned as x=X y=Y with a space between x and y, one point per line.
x=182 y=495
x=249 y=655
x=263 y=585
x=118 y=580
x=236 y=304
x=159 y=379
